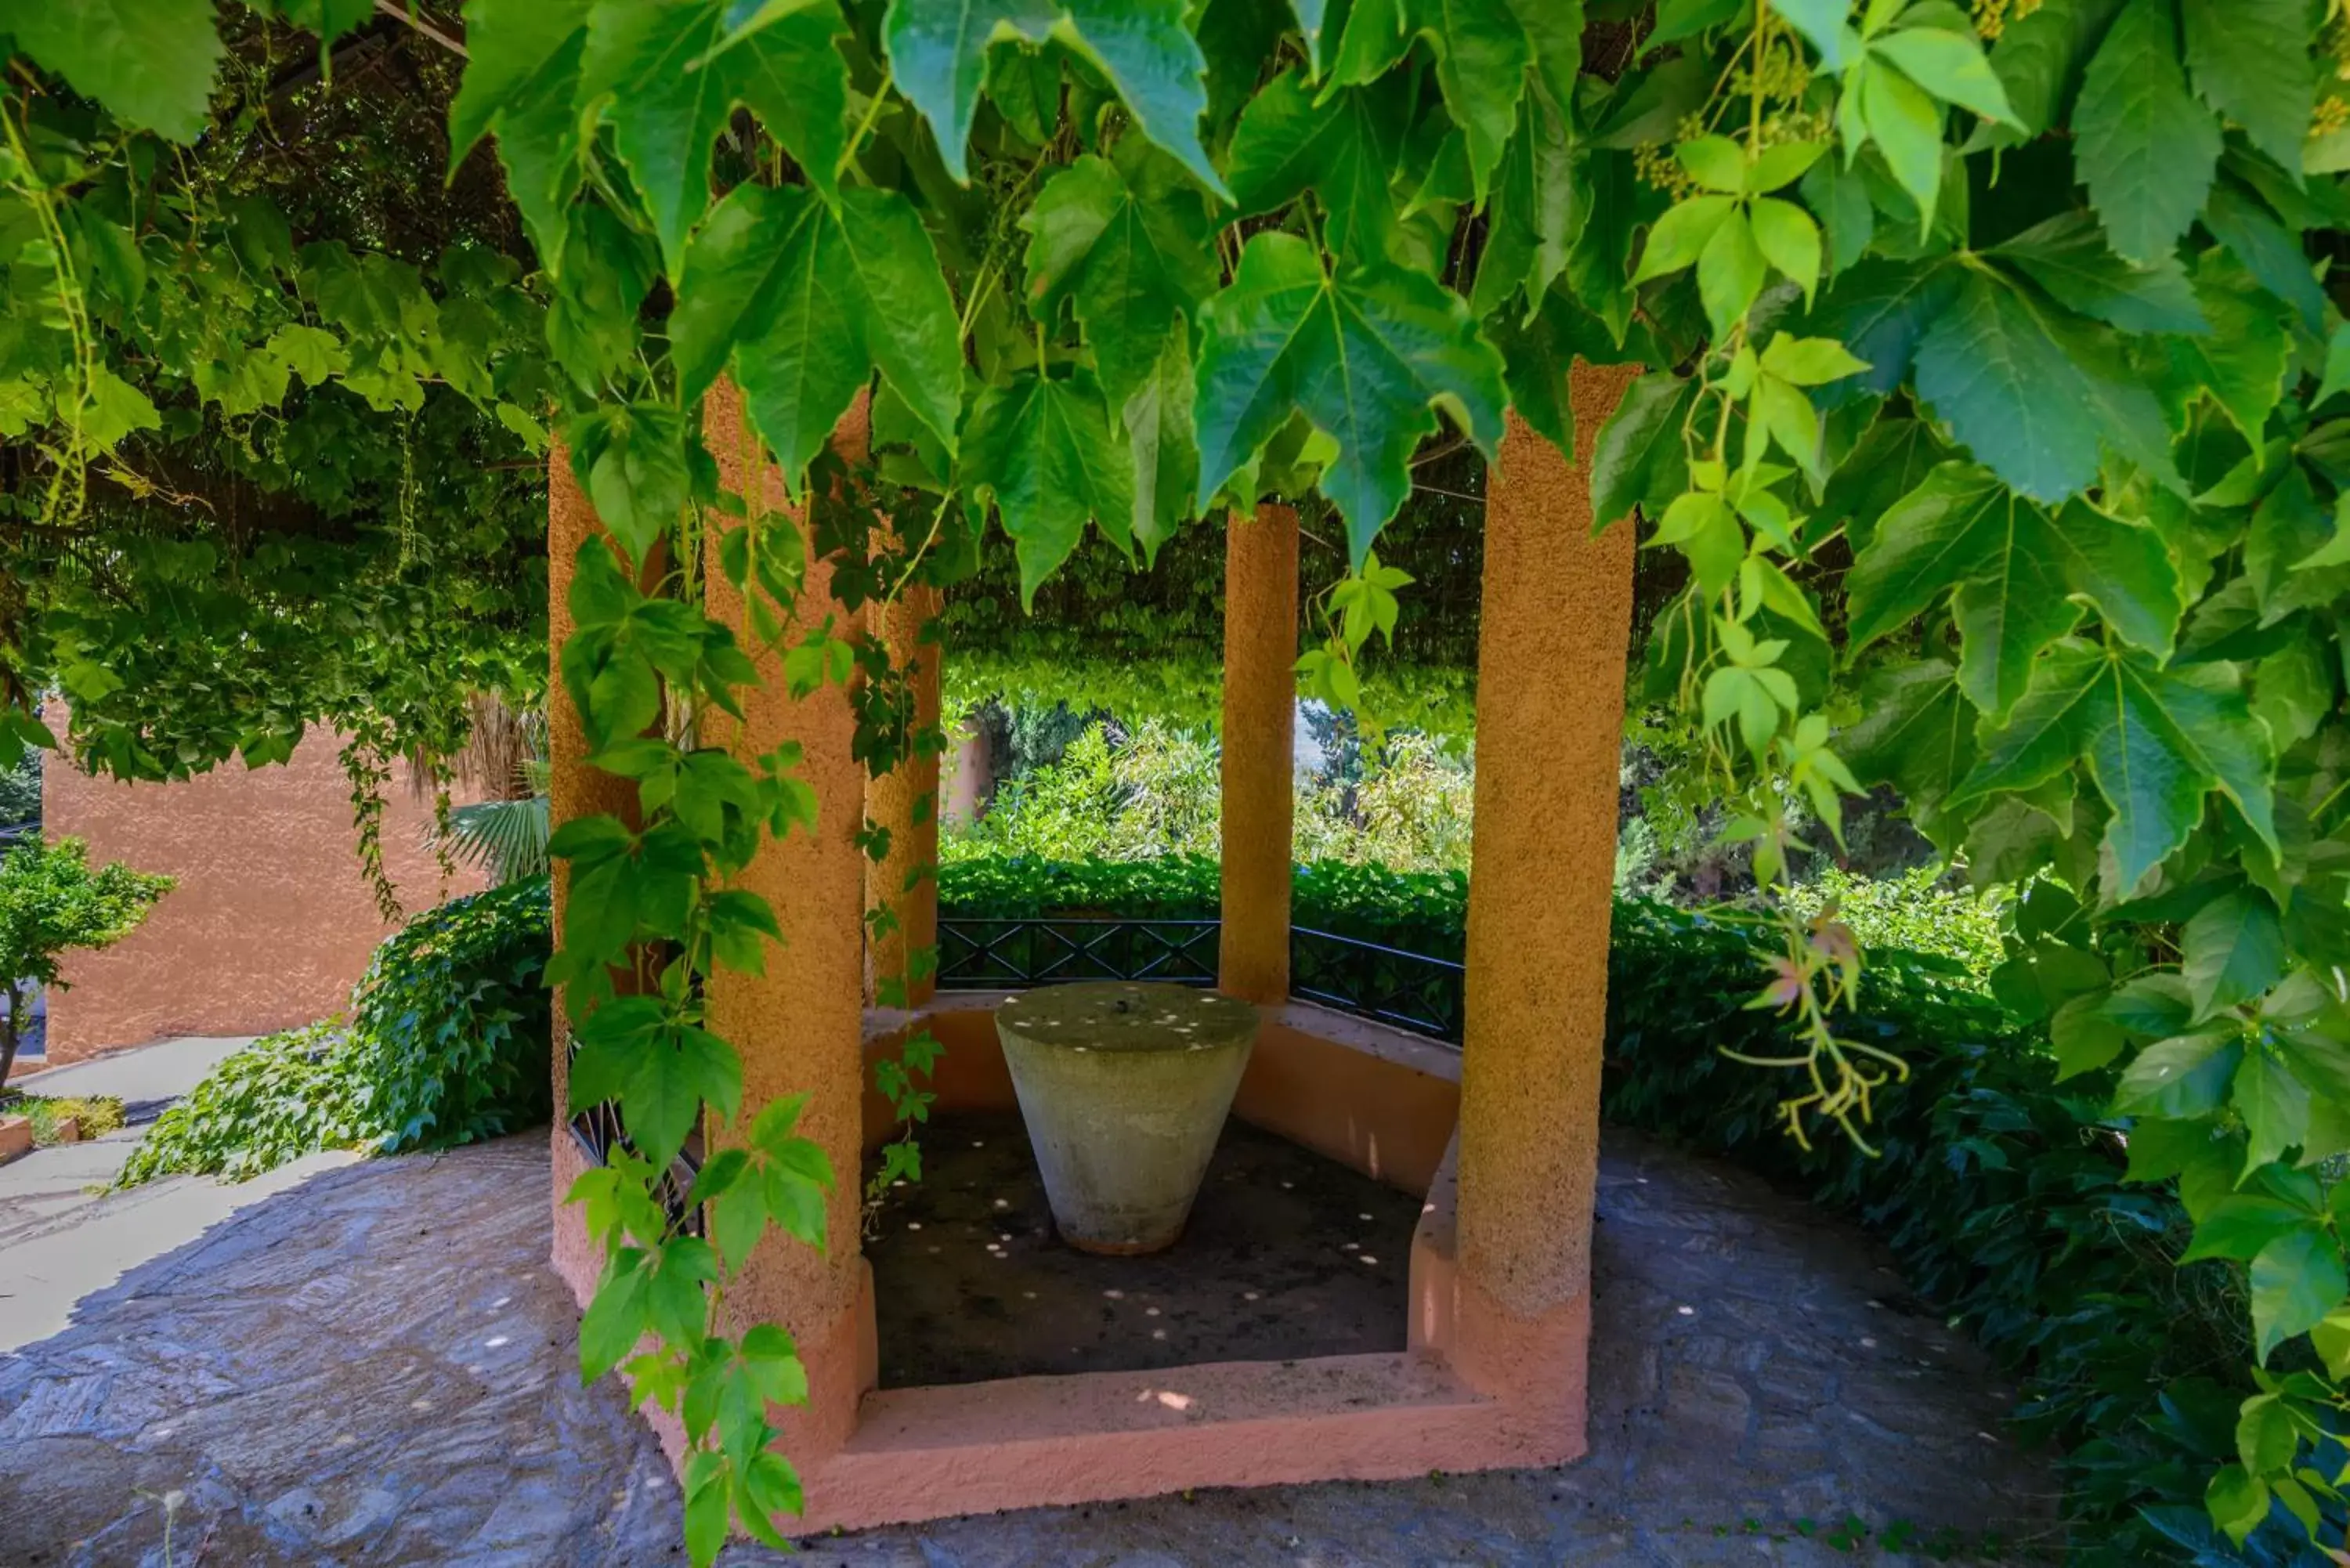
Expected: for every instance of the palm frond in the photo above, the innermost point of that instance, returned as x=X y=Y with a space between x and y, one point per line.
x=507 y=838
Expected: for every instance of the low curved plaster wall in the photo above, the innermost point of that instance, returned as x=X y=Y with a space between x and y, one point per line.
x=1374 y=1098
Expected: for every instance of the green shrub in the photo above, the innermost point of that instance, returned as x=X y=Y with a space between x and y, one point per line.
x=1914 y=911
x=451 y=1023
x=1141 y=794
x=2002 y=1193
x=280 y=1097
x=448 y=1042
x=1426 y=911
x=94 y=1115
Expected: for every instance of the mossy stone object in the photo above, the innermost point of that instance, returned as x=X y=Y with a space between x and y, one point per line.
x=1125 y=1085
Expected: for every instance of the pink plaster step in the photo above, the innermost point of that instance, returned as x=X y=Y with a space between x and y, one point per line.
x=1026 y=1441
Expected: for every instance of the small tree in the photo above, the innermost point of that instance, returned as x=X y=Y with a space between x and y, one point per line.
x=52 y=903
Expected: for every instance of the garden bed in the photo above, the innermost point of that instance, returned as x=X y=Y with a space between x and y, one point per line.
x=61 y=1120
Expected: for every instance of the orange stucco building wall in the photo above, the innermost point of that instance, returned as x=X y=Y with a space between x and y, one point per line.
x=272 y=920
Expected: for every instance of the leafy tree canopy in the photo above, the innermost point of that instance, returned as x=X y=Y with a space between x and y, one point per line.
x=53 y=902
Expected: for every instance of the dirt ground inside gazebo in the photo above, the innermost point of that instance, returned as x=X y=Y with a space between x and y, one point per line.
x=1287 y=1254
x=378 y=1367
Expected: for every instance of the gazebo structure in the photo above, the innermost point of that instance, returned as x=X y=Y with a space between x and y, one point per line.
x=1501 y=1137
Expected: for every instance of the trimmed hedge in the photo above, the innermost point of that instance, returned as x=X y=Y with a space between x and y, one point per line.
x=2002 y=1194
x=1419 y=911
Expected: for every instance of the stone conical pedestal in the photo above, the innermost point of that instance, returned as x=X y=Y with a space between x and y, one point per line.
x=1125 y=1087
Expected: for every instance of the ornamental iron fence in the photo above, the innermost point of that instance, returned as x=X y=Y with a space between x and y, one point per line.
x=1042 y=951
x=1407 y=990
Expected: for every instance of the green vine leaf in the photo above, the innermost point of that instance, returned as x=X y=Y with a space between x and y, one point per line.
x=2297 y=1279
x=1536 y=214
x=2241 y=362
x=2066 y=255
x=1638 y=459
x=1040 y=448
x=1917 y=731
x=1157 y=416
x=150 y=61
x=2145 y=149
x=1538 y=355
x=1948 y=64
x=807 y=304
x=1884 y=107
x=2249 y=59
x=2033 y=393
x=938 y=49
x=938 y=54
x=2156 y=742
x=1365 y=357
x=512 y=48
x=1482 y=55
x=1825 y=22
x=1147 y=50
x=1880 y=310
x=787 y=69
x=1128 y=245
x=1342 y=148
x=2251 y=229
x=2233 y=951
x=1963 y=526
x=2013 y=566
x=632 y=459
x=2038 y=57
x=670 y=87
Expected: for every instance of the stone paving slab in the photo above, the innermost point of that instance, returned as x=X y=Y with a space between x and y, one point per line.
x=379 y=1369
x=63 y=1236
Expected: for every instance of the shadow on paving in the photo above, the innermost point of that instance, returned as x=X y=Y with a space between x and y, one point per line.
x=379 y=1369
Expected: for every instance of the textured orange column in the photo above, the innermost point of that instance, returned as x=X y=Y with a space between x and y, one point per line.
x=572 y=790
x=800 y=1026
x=905 y=800
x=1555 y=620
x=1260 y=709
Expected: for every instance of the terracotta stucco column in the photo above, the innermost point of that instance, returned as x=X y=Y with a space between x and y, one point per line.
x=572 y=790
x=905 y=800
x=1555 y=620
x=800 y=1026
x=1260 y=709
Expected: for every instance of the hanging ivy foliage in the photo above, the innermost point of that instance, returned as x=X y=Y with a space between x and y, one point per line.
x=1991 y=357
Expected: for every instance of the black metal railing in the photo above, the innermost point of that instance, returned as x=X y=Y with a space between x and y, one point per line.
x=1407 y=990
x=599 y=1130
x=1040 y=950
